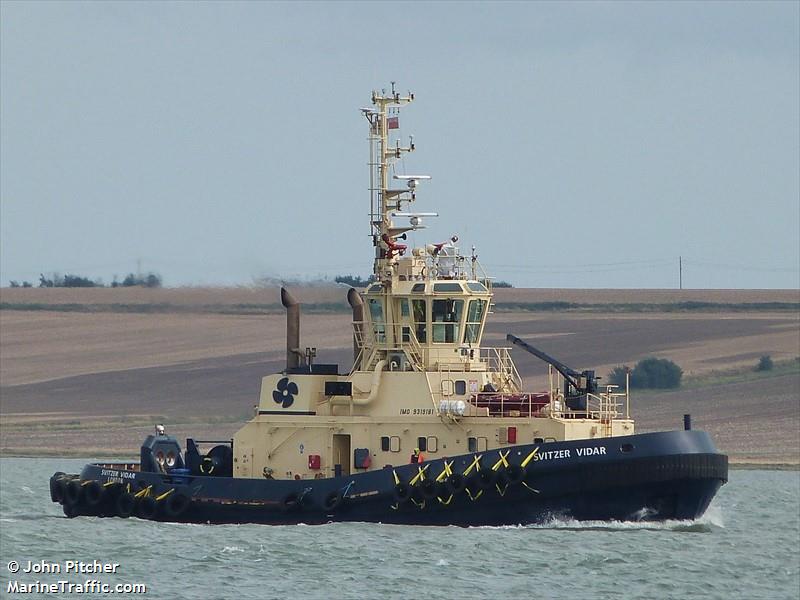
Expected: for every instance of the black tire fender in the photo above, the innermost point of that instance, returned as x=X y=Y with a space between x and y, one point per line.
x=93 y=492
x=147 y=508
x=332 y=501
x=56 y=490
x=428 y=488
x=486 y=478
x=402 y=492
x=176 y=504
x=516 y=474
x=455 y=483
x=291 y=502
x=73 y=494
x=125 y=505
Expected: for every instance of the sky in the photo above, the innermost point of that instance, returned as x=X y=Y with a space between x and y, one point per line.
x=579 y=145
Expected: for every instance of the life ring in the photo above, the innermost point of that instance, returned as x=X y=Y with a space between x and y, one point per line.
x=147 y=508
x=73 y=493
x=332 y=501
x=124 y=505
x=486 y=478
x=207 y=466
x=515 y=474
x=455 y=483
x=402 y=492
x=176 y=504
x=93 y=492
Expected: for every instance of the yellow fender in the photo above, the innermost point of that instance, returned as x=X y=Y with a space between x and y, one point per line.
x=530 y=457
x=475 y=463
x=476 y=496
x=448 y=501
x=144 y=492
x=446 y=472
x=534 y=490
x=502 y=461
x=419 y=476
x=164 y=495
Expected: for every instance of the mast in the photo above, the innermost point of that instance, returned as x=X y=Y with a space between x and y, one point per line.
x=386 y=203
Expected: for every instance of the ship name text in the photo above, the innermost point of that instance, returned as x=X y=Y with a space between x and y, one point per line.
x=567 y=453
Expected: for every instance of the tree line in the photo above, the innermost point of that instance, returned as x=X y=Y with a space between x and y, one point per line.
x=69 y=280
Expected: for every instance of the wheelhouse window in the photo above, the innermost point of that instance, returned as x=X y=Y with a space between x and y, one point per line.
x=404 y=312
x=474 y=318
x=376 y=315
x=475 y=286
x=446 y=318
x=418 y=308
x=439 y=288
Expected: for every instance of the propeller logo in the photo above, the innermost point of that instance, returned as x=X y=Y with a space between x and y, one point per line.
x=285 y=393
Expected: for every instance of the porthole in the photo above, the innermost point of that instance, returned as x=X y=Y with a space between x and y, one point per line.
x=626 y=448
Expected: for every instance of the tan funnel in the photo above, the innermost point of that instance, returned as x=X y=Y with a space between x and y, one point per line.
x=357 y=305
x=293 y=352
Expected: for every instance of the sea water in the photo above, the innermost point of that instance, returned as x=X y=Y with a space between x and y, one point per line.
x=745 y=546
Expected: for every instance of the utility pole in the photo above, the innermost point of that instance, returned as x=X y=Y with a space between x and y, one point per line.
x=680 y=272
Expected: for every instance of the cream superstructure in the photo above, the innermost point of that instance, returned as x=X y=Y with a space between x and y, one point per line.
x=420 y=378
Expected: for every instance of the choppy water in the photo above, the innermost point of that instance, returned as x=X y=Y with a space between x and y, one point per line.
x=746 y=546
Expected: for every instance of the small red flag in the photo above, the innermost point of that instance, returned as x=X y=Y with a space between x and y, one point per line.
x=393 y=122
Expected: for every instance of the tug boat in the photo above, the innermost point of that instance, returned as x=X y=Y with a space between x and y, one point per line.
x=428 y=427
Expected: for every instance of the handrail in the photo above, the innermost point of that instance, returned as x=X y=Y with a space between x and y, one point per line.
x=373 y=336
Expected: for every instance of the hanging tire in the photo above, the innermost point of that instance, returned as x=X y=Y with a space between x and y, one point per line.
x=93 y=492
x=56 y=490
x=515 y=474
x=113 y=490
x=402 y=492
x=176 y=504
x=62 y=488
x=291 y=502
x=73 y=494
x=486 y=479
x=455 y=483
x=472 y=484
x=124 y=505
x=147 y=508
x=70 y=510
x=332 y=501
x=428 y=488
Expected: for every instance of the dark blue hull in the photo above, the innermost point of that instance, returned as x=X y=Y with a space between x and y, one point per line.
x=658 y=476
